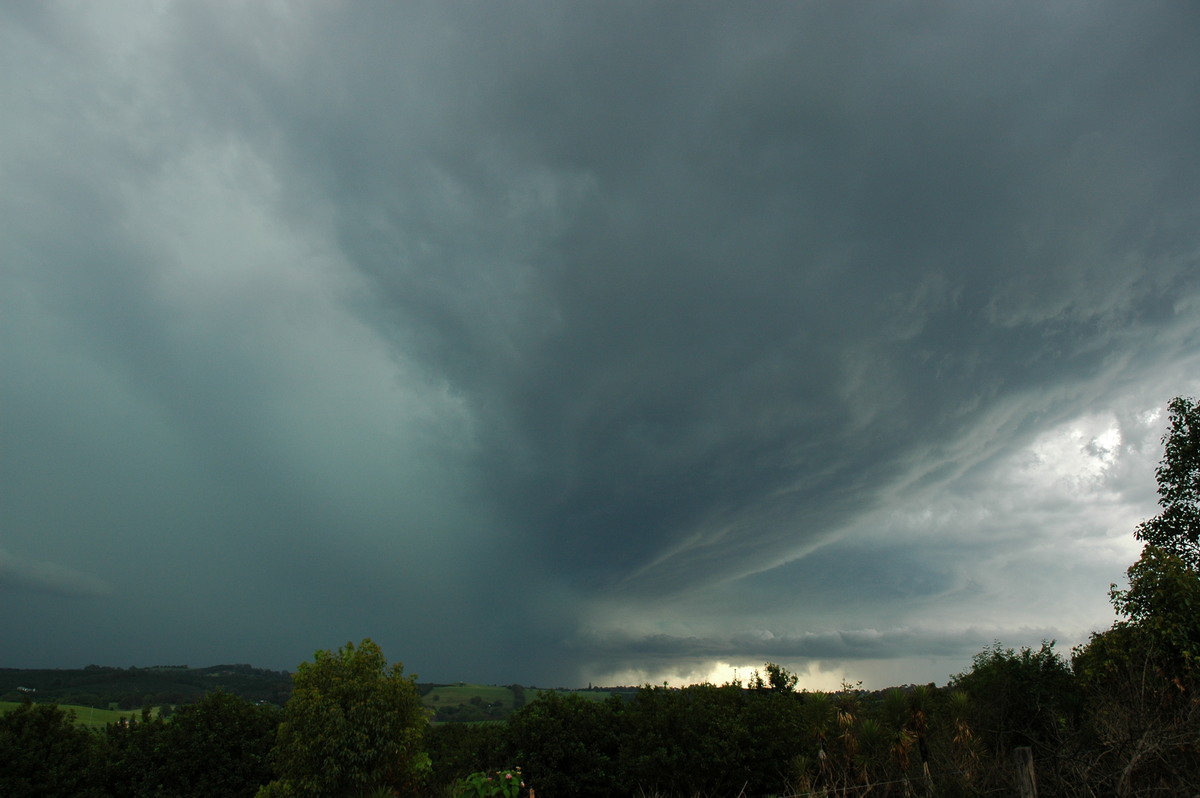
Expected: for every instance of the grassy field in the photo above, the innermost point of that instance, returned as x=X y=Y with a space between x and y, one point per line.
x=85 y=716
x=461 y=695
x=446 y=696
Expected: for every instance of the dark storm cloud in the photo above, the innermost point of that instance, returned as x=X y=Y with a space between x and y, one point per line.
x=527 y=313
x=724 y=275
x=17 y=574
x=841 y=645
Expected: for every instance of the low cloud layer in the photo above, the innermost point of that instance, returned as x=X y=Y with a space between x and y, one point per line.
x=547 y=344
x=18 y=576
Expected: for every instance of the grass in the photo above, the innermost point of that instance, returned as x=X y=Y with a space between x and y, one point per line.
x=86 y=716
x=461 y=695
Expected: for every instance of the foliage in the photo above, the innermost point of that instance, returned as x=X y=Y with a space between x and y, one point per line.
x=688 y=741
x=778 y=739
x=1142 y=679
x=459 y=748
x=1163 y=604
x=1142 y=676
x=1021 y=698
x=567 y=745
x=494 y=784
x=136 y=757
x=217 y=746
x=44 y=754
x=779 y=679
x=1176 y=528
x=352 y=725
x=220 y=746
x=708 y=740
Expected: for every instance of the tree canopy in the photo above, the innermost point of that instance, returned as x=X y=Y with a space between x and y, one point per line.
x=353 y=726
x=1176 y=529
x=1142 y=676
x=44 y=754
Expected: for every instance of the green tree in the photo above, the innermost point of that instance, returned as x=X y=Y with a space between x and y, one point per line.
x=135 y=757
x=779 y=679
x=1159 y=630
x=44 y=754
x=353 y=726
x=216 y=746
x=1176 y=528
x=220 y=746
x=460 y=749
x=567 y=745
x=690 y=741
x=1021 y=697
x=1143 y=683
x=1142 y=676
x=1163 y=602
x=778 y=740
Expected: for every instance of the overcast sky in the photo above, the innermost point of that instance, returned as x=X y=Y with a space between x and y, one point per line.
x=561 y=342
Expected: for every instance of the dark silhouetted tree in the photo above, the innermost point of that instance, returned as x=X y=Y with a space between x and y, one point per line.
x=567 y=745
x=43 y=754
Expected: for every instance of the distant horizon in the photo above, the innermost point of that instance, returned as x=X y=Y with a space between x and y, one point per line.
x=439 y=682
x=739 y=675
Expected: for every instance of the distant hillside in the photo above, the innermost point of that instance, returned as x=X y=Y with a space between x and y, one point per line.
x=133 y=688
x=475 y=703
x=470 y=703
x=89 y=717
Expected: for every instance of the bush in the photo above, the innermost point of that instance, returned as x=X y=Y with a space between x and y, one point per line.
x=567 y=746
x=353 y=725
x=44 y=754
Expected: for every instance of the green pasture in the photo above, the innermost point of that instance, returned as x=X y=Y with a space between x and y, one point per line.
x=461 y=695
x=86 y=716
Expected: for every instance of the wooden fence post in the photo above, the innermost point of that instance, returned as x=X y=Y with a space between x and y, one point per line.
x=1026 y=776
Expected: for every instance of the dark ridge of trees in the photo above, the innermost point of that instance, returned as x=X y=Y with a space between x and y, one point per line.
x=219 y=745
x=133 y=688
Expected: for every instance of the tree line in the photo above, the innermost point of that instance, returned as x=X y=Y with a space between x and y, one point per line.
x=1119 y=715
x=133 y=688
